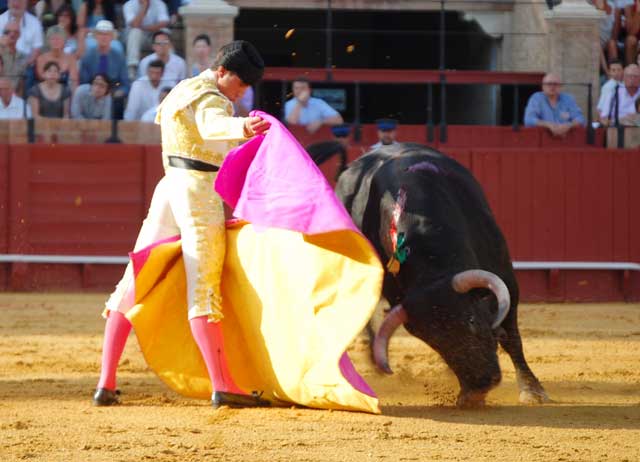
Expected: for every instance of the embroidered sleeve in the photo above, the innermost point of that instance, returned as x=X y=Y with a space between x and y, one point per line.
x=212 y=115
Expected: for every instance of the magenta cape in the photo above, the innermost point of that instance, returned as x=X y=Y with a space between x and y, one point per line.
x=271 y=181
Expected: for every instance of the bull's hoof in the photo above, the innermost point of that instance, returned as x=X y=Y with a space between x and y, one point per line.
x=529 y=396
x=471 y=400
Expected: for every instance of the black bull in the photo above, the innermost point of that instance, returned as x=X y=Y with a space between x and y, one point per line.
x=449 y=275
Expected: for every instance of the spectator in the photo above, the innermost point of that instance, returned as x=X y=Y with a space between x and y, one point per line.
x=387 y=132
x=341 y=134
x=14 y=62
x=92 y=101
x=616 y=72
x=626 y=25
x=45 y=11
x=142 y=18
x=105 y=59
x=68 y=64
x=632 y=120
x=172 y=7
x=304 y=109
x=243 y=105
x=31 y=36
x=50 y=98
x=11 y=105
x=552 y=109
x=150 y=114
x=90 y=13
x=621 y=102
x=608 y=43
x=201 y=54
x=75 y=41
x=145 y=91
x=175 y=69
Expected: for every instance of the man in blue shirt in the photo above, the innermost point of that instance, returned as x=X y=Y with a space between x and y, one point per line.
x=304 y=109
x=104 y=59
x=552 y=109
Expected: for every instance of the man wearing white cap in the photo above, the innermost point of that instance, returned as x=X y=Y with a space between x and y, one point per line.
x=105 y=59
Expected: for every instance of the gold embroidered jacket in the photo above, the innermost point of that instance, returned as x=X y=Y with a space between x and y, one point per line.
x=197 y=122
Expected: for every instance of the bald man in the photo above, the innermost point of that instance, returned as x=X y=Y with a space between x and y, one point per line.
x=553 y=109
x=620 y=103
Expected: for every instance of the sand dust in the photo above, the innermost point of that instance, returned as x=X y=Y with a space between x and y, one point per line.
x=587 y=357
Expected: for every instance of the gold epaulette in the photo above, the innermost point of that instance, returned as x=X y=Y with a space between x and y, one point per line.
x=187 y=92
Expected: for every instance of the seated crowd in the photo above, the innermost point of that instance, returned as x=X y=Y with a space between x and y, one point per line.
x=90 y=59
x=85 y=59
x=619 y=60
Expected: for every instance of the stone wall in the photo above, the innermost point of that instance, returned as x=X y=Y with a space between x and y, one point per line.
x=67 y=131
x=530 y=37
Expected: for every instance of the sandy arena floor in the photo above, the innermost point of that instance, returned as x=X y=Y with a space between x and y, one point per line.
x=587 y=357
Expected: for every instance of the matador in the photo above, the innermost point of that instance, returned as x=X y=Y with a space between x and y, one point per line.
x=198 y=130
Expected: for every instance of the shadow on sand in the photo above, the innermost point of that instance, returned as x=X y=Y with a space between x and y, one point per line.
x=555 y=415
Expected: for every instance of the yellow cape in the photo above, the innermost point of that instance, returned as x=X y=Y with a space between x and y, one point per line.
x=292 y=305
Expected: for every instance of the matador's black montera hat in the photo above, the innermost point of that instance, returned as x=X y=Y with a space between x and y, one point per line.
x=242 y=58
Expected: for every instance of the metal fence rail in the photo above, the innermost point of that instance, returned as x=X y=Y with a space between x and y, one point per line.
x=518 y=265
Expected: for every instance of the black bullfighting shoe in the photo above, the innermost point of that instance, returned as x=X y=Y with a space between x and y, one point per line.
x=224 y=398
x=105 y=397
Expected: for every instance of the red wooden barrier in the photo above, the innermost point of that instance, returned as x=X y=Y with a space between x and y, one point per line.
x=570 y=203
x=4 y=204
x=75 y=200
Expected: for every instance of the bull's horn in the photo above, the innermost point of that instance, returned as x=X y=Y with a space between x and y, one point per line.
x=392 y=321
x=473 y=279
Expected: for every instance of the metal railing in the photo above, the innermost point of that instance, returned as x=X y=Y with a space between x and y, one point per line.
x=517 y=265
x=431 y=81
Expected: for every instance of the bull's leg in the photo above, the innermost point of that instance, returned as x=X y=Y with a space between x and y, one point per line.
x=531 y=391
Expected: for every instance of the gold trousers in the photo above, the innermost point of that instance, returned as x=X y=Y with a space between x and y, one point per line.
x=184 y=203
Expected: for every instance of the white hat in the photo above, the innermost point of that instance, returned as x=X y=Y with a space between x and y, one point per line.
x=104 y=26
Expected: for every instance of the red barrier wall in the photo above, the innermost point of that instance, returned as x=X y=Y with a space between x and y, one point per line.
x=572 y=204
x=72 y=200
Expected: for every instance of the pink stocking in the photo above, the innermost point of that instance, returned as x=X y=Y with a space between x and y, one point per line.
x=208 y=336
x=116 y=332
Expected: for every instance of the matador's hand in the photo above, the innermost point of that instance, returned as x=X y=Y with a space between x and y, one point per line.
x=255 y=126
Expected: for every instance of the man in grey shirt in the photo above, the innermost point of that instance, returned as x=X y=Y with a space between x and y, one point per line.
x=92 y=101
